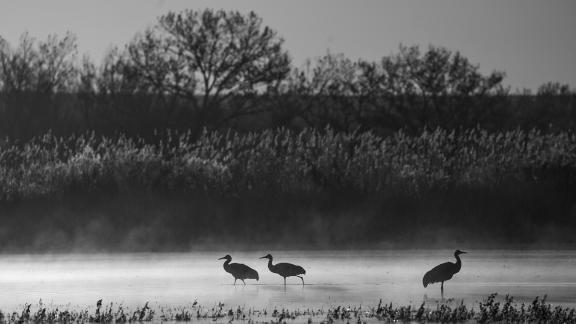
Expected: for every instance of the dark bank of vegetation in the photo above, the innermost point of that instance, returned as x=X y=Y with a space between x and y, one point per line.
x=201 y=133
x=489 y=310
x=300 y=189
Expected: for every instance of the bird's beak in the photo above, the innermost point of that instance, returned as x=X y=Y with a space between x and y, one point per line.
x=263 y=257
x=222 y=258
x=462 y=252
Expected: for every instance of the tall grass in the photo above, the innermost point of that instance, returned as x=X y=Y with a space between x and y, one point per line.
x=284 y=162
x=308 y=189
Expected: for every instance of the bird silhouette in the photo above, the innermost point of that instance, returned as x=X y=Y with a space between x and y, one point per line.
x=285 y=269
x=239 y=270
x=443 y=272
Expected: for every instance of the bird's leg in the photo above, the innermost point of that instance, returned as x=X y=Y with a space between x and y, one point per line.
x=284 y=281
x=301 y=279
x=235 y=281
x=442 y=289
x=244 y=282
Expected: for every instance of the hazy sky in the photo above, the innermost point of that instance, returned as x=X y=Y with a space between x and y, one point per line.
x=534 y=41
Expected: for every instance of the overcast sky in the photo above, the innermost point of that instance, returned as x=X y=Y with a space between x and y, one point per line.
x=534 y=41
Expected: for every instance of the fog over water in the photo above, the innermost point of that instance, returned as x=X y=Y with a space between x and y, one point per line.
x=332 y=278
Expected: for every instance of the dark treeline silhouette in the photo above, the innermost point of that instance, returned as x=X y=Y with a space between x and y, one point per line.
x=201 y=133
x=223 y=70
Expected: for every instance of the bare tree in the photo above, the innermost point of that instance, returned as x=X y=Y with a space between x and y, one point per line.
x=323 y=92
x=43 y=67
x=31 y=73
x=415 y=89
x=206 y=58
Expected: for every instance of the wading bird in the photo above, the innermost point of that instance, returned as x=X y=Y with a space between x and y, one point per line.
x=239 y=270
x=285 y=269
x=443 y=272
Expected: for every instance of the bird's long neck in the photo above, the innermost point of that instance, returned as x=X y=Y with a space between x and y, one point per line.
x=458 y=262
x=270 y=265
x=227 y=264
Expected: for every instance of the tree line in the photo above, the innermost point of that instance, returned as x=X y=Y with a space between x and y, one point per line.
x=221 y=69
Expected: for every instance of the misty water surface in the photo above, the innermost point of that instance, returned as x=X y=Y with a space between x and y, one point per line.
x=332 y=278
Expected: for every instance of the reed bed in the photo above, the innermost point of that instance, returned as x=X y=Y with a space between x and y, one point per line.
x=489 y=310
x=282 y=162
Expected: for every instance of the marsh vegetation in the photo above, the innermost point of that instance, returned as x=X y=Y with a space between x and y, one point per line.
x=486 y=311
x=515 y=187
x=202 y=123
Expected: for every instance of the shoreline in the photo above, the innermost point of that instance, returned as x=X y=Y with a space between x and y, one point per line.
x=493 y=308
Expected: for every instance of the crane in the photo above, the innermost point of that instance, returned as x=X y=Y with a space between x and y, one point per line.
x=239 y=270
x=285 y=269
x=443 y=272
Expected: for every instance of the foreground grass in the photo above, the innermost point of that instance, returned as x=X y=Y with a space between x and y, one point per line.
x=489 y=310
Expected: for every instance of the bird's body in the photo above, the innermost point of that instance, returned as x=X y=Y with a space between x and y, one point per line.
x=443 y=272
x=285 y=269
x=239 y=270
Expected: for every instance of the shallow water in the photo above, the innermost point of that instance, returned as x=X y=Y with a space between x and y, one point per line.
x=332 y=278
